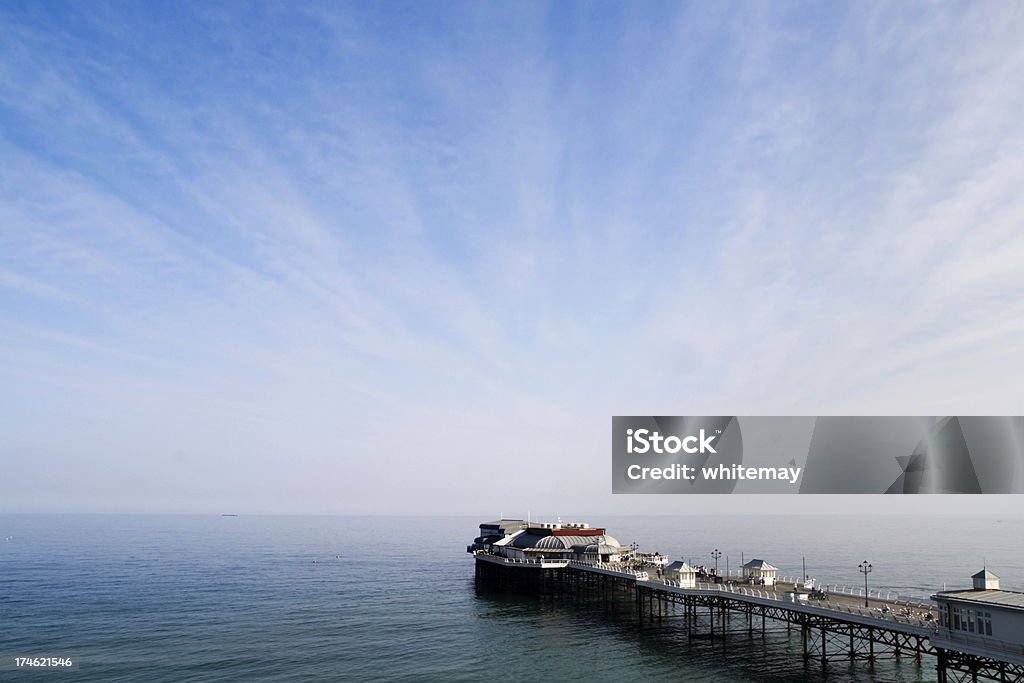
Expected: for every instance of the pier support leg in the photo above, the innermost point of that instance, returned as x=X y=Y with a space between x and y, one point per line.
x=725 y=626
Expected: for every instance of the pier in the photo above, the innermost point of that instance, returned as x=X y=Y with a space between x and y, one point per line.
x=954 y=628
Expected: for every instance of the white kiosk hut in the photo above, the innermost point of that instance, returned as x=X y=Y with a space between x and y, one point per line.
x=985 y=581
x=760 y=572
x=681 y=574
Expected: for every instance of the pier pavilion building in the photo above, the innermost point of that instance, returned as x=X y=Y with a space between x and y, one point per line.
x=495 y=531
x=519 y=540
x=983 y=621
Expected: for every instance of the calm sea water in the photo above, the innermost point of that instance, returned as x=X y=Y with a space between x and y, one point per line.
x=195 y=598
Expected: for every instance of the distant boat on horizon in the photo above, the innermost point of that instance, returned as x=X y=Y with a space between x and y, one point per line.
x=228 y=514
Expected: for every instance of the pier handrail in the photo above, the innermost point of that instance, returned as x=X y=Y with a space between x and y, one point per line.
x=982 y=642
x=920 y=601
x=515 y=560
x=765 y=594
x=876 y=613
x=609 y=567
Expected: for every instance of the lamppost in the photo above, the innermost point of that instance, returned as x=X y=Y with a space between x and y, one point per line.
x=716 y=553
x=865 y=569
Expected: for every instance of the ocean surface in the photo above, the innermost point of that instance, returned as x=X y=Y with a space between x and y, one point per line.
x=211 y=598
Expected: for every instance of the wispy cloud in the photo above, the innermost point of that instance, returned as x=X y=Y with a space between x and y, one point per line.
x=336 y=257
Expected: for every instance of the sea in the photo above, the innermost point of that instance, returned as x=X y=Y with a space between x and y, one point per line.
x=336 y=598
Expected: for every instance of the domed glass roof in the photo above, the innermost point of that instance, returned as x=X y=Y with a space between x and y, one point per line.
x=529 y=540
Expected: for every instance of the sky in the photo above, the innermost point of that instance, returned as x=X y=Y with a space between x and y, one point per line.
x=405 y=258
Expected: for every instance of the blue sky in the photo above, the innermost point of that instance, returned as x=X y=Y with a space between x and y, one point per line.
x=390 y=257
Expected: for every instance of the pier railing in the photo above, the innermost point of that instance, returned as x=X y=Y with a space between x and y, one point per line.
x=920 y=601
x=531 y=562
x=559 y=562
x=980 y=643
x=876 y=613
x=609 y=567
x=788 y=597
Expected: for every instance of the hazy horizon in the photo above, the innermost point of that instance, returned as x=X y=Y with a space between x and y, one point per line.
x=593 y=518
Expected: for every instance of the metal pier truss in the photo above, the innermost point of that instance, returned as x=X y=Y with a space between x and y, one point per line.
x=828 y=632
